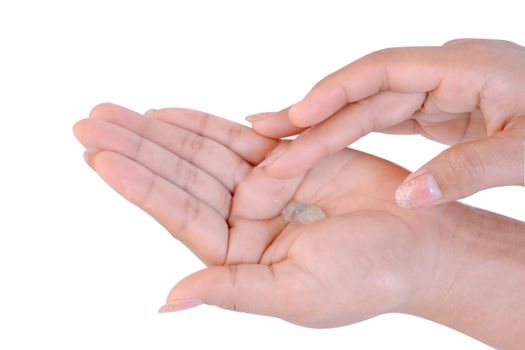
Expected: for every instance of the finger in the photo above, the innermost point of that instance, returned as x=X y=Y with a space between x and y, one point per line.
x=455 y=75
x=451 y=128
x=97 y=134
x=413 y=69
x=467 y=168
x=258 y=198
x=375 y=113
x=240 y=139
x=119 y=115
x=194 y=223
x=205 y=153
x=447 y=128
x=274 y=125
x=253 y=288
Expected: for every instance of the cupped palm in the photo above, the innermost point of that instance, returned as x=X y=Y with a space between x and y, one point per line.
x=197 y=175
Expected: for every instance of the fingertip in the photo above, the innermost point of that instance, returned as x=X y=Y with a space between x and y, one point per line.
x=79 y=128
x=281 y=169
x=274 y=125
x=262 y=123
x=298 y=116
x=101 y=109
x=89 y=157
x=419 y=191
x=261 y=129
x=75 y=128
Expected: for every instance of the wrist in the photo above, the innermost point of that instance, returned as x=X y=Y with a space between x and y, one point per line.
x=473 y=275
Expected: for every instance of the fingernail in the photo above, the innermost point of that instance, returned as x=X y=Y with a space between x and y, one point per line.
x=89 y=154
x=150 y=113
x=180 y=304
x=271 y=159
x=418 y=192
x=258 y=117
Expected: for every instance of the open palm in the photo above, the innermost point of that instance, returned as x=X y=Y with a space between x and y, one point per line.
x=197 y=175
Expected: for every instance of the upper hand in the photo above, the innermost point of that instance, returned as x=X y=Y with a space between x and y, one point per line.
x=467 y=93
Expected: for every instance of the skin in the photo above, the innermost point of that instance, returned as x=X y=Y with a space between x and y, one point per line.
x=449 y=263
x=466 y=93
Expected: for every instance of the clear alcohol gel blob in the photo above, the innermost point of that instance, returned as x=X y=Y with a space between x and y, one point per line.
x=298 y=213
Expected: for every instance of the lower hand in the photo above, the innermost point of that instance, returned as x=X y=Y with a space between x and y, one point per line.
x=366 y=258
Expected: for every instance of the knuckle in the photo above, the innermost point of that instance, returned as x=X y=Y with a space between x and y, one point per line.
x=486 y=51
x=203 y=125
x=184 y=142
x=191 y=178
x=382 y=59
x=185 y=174
x=234 y=132
x=226 y=205
x=382 y=54
x=239 y=173
x=463 y=167
x=191 y=208
x=191 y=145
x=468 y=42
x=140 y=147
x=179 y=167
x=145 y=200
x=197 y=142
x=460 y=41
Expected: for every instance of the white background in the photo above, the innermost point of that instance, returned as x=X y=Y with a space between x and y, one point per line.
x=80 y=268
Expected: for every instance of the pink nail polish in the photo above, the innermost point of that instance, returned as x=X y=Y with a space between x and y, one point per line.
x=89 y=153
x=418 y=192
x=180 y=304
x=259 y=116
x=272 y=158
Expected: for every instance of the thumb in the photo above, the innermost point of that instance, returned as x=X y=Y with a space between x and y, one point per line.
x=465 y=169
x=252 y=288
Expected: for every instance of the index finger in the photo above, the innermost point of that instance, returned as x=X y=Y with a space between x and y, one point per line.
x=408 y=69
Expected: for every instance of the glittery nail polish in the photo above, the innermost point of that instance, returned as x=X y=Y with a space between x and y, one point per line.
x=419 y=191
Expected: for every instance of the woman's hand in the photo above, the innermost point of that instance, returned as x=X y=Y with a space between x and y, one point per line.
x=467 y=93
x=197 y=175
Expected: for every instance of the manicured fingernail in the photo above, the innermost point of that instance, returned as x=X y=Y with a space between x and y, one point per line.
x=272 y=158
x=89 y=154
x=150 y=113
x=259 y=116
x=180 y=304
x=418 y=192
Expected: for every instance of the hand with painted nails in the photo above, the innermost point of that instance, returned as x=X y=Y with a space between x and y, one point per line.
x=345 y=253
x=467 y=93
